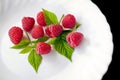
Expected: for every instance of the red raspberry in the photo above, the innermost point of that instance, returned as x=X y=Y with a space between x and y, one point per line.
x=15 y=34
x=28 y=23
x=69 y=21
x=37 y=32
x=54 y=30
x=74 y=39
x=41 y=19
x=43 y=48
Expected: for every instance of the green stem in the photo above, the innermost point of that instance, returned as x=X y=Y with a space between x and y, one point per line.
x=76 y=27
x=28 y=37
x=61 y=18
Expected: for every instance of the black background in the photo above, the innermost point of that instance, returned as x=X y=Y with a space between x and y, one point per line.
x=106 y=7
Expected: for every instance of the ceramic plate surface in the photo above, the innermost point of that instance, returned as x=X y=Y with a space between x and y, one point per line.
x=90 y=60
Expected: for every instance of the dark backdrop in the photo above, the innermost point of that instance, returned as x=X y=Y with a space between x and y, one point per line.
x=106 y=7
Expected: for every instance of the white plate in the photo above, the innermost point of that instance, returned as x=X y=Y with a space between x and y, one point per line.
x=90 y=59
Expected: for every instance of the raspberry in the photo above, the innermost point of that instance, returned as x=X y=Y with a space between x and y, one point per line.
x=15 y=34
x=54 y=30
x=43 y=48
x=37 y=32
x=69 y=21
x=74 y=39
x=41 y=19
x=28 y=23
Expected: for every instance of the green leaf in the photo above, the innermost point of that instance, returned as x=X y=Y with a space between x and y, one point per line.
x=50 y=17
x=26 y=50
x=52 y=41
x=62 y=46
x=22 y=44
x=35 y=60
x=43 y=39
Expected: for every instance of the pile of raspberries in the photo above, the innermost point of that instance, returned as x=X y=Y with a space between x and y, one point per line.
x=41 y=29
